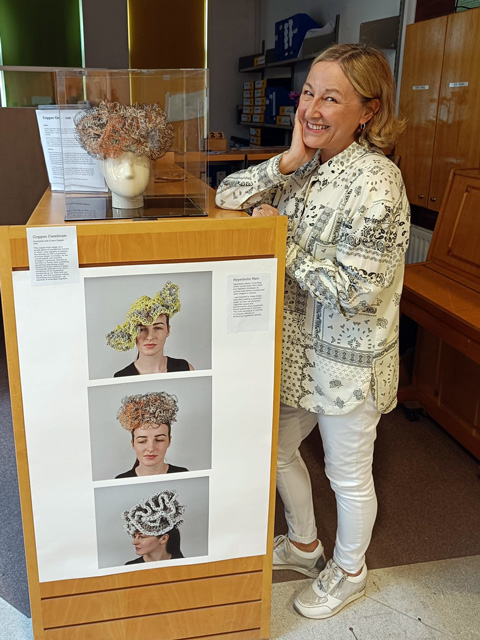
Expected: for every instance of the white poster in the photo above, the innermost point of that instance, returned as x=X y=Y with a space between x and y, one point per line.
x=132 y=467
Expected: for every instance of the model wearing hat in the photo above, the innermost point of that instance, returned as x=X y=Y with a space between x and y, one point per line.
x=149 y=418
x=148 y=326
x=153 y=524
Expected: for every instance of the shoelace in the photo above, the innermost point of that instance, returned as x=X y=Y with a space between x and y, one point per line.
x=330 y=577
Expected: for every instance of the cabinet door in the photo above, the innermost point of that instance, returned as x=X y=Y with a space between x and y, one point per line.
x=458 y=121
x=421 y=73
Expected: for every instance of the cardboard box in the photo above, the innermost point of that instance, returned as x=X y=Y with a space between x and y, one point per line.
x=248 y=109
x=248 y=102
x=273 y=82
x=260 y=109
x=286 y=111
x=216 y=141
x=247 y=93
x=257 y=117
x=245 y=117
x=248 y=85
x=260 y=101
x=284 y=120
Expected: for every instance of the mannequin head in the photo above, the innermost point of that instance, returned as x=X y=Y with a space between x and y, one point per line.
x=125 y=138
x=127 y=178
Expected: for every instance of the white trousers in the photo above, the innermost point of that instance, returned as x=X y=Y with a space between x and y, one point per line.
x=348 y=442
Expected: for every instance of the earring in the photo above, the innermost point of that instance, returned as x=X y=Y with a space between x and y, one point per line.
x=362 y=127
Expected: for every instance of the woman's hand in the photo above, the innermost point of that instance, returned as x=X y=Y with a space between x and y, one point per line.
x=264 y=210
x=298 y=154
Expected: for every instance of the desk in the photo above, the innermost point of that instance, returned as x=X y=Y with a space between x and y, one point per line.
x=223 y=163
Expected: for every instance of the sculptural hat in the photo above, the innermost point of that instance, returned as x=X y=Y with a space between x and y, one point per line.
x=148 y=408
x=144 y=311
x=111 y=128
x=155 y=516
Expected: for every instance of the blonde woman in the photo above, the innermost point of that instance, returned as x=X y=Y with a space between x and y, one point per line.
x=348 y=229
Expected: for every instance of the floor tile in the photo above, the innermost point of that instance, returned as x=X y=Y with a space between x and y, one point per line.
x=427 y=601
x=13 y=624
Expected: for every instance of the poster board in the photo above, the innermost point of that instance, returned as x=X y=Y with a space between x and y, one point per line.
x=230 y=574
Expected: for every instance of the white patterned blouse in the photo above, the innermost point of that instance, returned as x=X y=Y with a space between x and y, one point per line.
x=348 y=231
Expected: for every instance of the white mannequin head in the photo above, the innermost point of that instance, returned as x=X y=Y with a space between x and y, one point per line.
x=127 y=178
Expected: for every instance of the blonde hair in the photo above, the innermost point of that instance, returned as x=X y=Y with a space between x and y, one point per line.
x=371 y=77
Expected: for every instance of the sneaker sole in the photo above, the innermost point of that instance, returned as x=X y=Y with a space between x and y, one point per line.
x=308 y=612
x=291 y=567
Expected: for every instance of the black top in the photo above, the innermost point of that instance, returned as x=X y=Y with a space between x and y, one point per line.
x=173 y=365
x=131 y=473
x=140 y=559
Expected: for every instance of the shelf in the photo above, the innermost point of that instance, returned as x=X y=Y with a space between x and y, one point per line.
x=286 y=127
x=318 y=43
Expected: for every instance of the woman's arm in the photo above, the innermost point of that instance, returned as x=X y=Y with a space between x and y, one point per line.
x=261 y=183
x=370 y=249
x=249 y=187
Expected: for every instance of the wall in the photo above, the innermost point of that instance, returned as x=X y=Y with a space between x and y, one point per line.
x=105 y=32
x=232 y=33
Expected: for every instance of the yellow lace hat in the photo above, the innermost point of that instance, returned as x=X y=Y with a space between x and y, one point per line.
x=144 y=311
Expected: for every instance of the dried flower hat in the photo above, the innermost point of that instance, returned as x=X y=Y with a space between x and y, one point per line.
x=154 y=516
x=155 y=408
x=144 y=311
x=111 y=128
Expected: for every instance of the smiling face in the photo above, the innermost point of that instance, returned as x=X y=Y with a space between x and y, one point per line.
x=151 y=337
x=330 y=110
x=126 y=175
x=150 y=443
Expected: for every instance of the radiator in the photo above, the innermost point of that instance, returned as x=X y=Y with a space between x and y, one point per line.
x=419 y=242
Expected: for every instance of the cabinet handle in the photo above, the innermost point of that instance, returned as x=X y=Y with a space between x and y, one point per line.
x=420 y=196
x=433 y=199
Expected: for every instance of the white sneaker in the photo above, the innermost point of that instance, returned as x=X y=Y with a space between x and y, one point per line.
x=287 y=556
x=330 y=592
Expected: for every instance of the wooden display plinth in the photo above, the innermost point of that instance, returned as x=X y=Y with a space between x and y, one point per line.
x=225 y=600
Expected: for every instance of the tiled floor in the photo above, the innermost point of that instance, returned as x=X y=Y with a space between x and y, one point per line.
x=427 y=601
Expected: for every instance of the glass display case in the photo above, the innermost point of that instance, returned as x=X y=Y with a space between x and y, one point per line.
x=132 y=142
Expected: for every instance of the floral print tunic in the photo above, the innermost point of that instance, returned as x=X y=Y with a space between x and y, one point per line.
x=348 y=230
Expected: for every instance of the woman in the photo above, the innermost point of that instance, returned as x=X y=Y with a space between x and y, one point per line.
x=348 y=229
x=153 y=525
x=148 y=326
x=149 y=418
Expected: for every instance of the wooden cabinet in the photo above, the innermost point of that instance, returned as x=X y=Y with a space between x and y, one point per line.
x=440 y=97
x=443 y=296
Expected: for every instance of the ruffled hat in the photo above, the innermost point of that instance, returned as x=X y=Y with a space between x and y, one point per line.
x=144 y=311
x=111 y=128
x=154 y=516
x=156 y=407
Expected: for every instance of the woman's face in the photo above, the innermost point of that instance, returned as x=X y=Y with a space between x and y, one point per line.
x=330 y=110
x=150 y=443
x=151 y=337
x=145 y=545
x=127 y=175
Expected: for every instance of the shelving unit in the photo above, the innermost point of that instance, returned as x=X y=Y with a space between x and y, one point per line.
x=312 y=47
